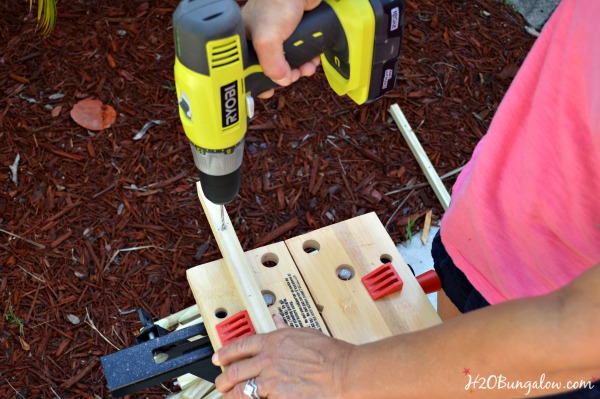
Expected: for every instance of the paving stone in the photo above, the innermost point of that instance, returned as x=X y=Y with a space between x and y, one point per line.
x=536 y=12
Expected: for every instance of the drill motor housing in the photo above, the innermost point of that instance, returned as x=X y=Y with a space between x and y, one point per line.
x=217 y=72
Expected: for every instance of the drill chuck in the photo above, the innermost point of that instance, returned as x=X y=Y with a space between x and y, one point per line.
x=220 y=172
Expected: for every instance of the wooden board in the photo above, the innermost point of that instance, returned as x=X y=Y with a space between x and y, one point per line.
x=307 y=291
x=299 y=279
x=347 y=307
x=217 y=298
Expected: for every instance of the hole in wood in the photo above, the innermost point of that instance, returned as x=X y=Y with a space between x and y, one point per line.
x=311 y=246
x=269 y=260
x=269 y=298
x=221 y=313
x=385 y=258
x=345 y=272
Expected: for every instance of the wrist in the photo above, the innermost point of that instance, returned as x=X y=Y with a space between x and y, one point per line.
x=347 y=373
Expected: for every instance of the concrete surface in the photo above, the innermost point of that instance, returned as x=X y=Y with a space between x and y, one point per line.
x=536 y=12
x=419 y=256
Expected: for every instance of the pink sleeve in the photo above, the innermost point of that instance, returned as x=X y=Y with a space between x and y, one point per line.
x=525 y=213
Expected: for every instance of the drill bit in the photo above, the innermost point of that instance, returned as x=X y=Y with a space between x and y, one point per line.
x=222 y=217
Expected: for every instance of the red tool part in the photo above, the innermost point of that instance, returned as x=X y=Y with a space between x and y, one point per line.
x=429 y=281
x=382 y=281
x=237 y=326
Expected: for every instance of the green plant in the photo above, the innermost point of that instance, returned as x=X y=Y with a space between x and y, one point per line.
x=46 y=15
x=512 y=6
x=409 y=227
x=169 y=86
x=12 y=317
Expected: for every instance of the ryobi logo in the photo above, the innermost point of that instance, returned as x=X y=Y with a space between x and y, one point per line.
x=387 y=76
x=395 y=19
x=229 y=104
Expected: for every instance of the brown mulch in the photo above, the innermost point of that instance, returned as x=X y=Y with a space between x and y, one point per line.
x=99 y=224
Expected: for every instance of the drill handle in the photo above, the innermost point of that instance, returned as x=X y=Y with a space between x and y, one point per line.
x=319 y=31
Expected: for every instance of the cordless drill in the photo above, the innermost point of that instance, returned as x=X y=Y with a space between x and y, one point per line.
x=217 y=72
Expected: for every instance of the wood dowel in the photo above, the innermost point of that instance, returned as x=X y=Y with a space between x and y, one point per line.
x=242 y=277
x=181 y=317
x=415 y=146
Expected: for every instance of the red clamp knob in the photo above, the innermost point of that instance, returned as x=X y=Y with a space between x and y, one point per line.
x=429 y=281
x=382 y=281
x=237 y=326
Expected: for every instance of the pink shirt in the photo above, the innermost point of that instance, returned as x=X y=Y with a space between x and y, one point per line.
x=525 y=213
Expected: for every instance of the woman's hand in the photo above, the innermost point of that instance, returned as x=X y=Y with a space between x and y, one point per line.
x=288 y=363
x=268 y=24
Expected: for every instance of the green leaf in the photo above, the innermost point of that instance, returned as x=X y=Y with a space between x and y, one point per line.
x=409 y=227
x=46 y=15
x=11 y=316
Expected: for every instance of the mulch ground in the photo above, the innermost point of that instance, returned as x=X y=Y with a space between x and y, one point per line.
x=99 y=224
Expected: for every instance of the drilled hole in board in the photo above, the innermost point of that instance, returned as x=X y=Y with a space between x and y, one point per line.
x=311 y=246
x=221 y=313
x=269 y=260
x=385 y=258
x=269 y=297
x=344 y=272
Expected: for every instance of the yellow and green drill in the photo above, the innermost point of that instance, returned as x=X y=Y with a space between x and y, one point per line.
x=217 y=72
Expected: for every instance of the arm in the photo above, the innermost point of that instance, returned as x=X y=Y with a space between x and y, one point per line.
x=269 y=23
x=554 y=334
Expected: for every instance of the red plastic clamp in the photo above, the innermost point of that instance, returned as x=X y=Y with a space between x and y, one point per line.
x=382 y=281
x=429 y=281
x=237 y=326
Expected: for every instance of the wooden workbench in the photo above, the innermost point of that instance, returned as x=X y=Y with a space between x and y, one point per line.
x=300 y=279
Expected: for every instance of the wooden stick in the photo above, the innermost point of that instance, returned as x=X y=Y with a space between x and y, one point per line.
x=237 y=265
x=413 y=142
x=24 y=239
x=181 y=317
x=426 y=227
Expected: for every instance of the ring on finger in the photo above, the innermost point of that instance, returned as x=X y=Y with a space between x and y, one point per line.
x=251 y=389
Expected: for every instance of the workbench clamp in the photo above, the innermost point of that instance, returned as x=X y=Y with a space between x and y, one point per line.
x=156 y=360
x=236 y=327
x=149 y=330
x=382 y=281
